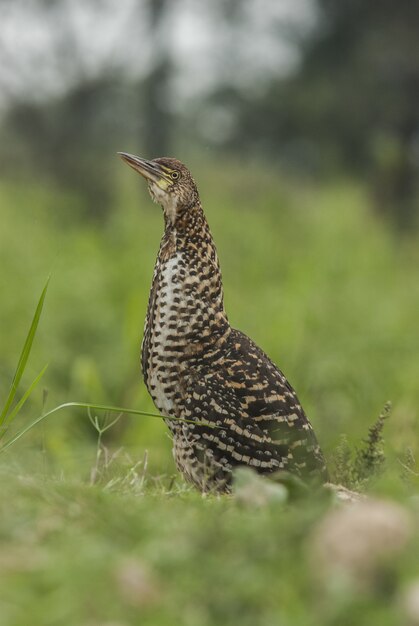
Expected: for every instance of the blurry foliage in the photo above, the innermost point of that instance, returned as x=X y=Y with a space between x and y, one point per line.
x=155 y=89
x=70 y=140
x=351 y=104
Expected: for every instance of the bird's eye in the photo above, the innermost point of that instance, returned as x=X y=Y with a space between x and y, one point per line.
x=174 y=175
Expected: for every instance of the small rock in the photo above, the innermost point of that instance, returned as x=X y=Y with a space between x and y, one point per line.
x=253 y=490
x=410 y=603
x=342 y=494
x=352 y=544
x=135 y=583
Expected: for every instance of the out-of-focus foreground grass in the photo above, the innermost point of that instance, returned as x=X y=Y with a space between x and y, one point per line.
x=310 y=275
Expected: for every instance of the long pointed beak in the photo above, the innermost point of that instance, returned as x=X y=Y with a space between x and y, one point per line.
x=148 y=169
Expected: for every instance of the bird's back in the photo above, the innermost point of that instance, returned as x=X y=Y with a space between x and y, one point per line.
x=255 y=415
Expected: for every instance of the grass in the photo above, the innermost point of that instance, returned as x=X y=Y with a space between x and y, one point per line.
x=73 y=553
x=9 y=412
x=100 y=532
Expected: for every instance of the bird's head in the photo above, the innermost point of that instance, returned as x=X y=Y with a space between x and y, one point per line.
x=169 y=182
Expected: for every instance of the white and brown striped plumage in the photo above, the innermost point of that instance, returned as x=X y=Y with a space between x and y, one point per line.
x=197 y=367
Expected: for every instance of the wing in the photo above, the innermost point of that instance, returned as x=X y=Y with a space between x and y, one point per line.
x=259 y=419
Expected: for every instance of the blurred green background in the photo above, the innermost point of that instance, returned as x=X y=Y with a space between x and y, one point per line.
x=300 y=123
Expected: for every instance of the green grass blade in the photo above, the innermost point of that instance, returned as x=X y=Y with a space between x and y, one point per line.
x=10 y=417
x=97 y=407
x=23 y=359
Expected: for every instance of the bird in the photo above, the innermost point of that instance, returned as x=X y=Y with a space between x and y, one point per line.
x=225 y=402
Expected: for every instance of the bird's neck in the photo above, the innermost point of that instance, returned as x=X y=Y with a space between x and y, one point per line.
x=187 y=292
x=199 y=277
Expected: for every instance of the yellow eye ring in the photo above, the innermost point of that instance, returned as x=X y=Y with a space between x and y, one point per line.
x=174 y=175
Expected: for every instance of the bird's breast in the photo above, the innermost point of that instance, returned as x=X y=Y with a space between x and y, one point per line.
x=185 y=314
x=163 y=341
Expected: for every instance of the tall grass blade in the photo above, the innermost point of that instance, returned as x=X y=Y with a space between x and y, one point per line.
x=97 y=407
x=23 y=359
x=10 y=417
